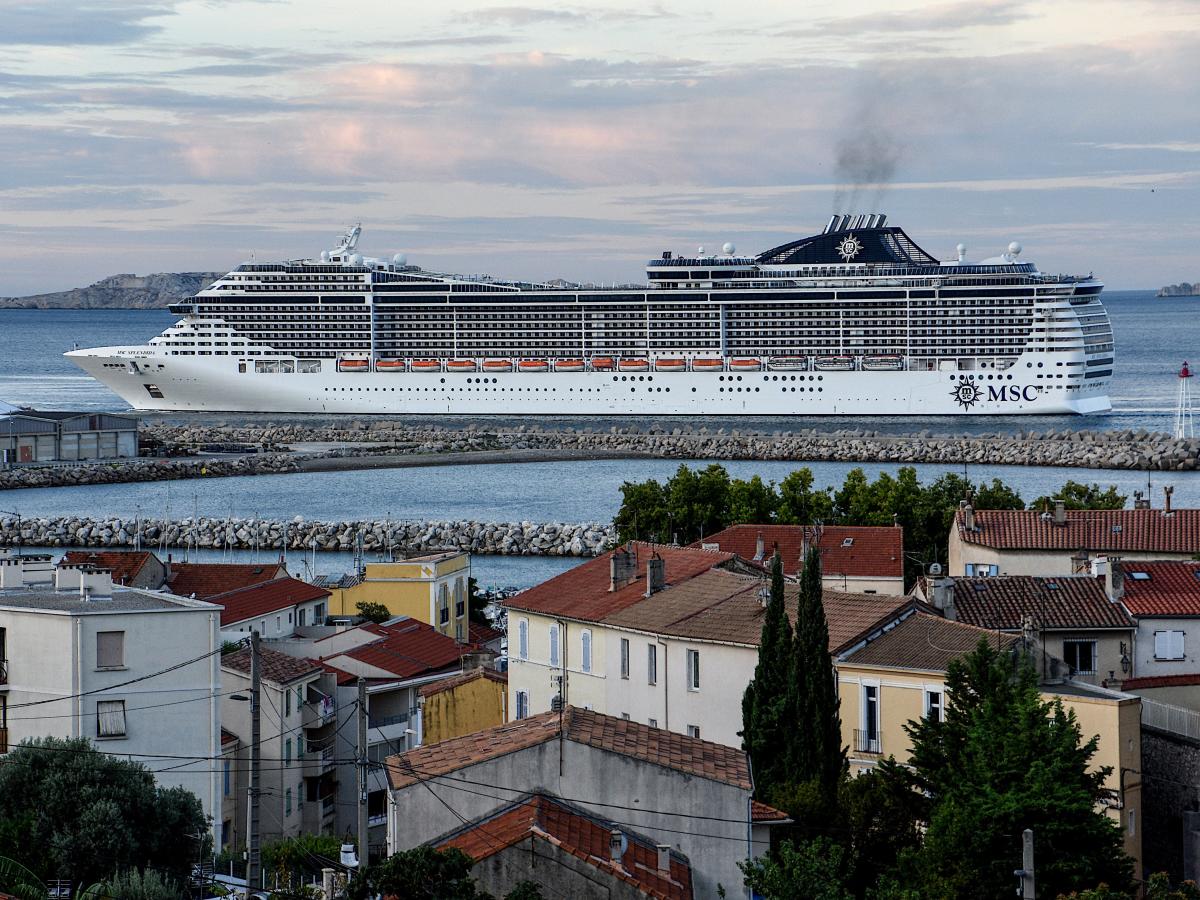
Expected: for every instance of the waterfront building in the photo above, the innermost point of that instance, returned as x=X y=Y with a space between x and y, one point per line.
x=134 y=672
x=429 y=587
x=854 y=559
x=132 y=568
x=275 y=609
x=654 y=779
x=464 y=704
x=41 y=436
x=1063 y=541
x=203 y=580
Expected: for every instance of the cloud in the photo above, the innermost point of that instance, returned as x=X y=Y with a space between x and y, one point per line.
x=1168 y=146
x=64 y=24
x=939 y=18
x=86 y=198
x=524 y=16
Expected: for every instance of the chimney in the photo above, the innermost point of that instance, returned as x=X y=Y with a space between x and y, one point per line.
x=1114 y=579
x=760 y=549
x=95 y=584
x=67 y=577
x=1060 y=512
x=656 y=574
x=943 y=597
x=1100 y=568
x=1168 y=490
x=968 y=512
x=664 y=858
x=616 y=846
x=1140 y=500
x=622 y=567
x=1081 y=565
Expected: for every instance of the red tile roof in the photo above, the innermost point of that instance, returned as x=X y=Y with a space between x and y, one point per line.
x=1053 y=602
x=265 y=598
x=406 y=649
x=1104 y=530
x=583 y=592
x=873 y=551
x=449 y=684
x=761 y=814
x=482 y=634
x=924 y=642
x=692 y=756
x=228 y=738
x=1162 y=588
x=276 y=667
x=125 y=564
x=1157 y=681
x=579 y=833
x=209 y=579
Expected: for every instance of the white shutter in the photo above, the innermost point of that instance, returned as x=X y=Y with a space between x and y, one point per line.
x=1162 y=645
x=554 y=645
x=1176 y=644
x=110 y=718
x=586 y=639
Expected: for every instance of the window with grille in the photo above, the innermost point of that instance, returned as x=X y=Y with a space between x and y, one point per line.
x=522 y=704
x=1080 y=656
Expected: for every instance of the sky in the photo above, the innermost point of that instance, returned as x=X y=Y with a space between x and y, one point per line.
x=579 y=140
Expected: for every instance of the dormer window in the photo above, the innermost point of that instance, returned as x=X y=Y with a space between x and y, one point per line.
x=847 y=542
x=1145 y=576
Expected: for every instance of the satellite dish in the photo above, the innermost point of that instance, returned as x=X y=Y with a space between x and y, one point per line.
x=699 y=251
x=935 y=569
x=729 y=249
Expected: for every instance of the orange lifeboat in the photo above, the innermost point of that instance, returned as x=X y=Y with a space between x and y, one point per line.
x=708 y=365
x=426 y=365
x=497 y=365
x=633 y=365
x=353 y=365
x=461 y=365
x=568 y=365
x=670 y=364
x=533 y=365
x=603 y=364
x=390 y=365
x=745 y=365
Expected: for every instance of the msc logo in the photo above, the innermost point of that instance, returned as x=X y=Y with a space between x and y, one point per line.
x=967 y=393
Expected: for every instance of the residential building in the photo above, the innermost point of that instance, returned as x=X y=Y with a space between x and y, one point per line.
x=463 y=704
x=1164 y=600
x=275 y=609
x=1064 y=541
x=589 y=859
x=235 y=760
x=204 y=580
x=854 y=559
x=429 y=587
x=132 y=671
x=132 y=568
x=897 y=674
x=33 y=436
x=298 y=777
x=647 y=779
x=663 y=635
x=1074 y=618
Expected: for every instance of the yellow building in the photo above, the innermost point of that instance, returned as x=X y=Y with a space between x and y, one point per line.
x=430 y=587
x=898 y=674
x=464 y=704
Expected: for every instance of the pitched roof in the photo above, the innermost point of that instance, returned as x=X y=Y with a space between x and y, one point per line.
x=579 y=833
x=1053 y=602
x=228 y=737
x=264 y=598
x=276 y=667
x=724 y=606
x=1162 y=588
x=406 y=649
x=761 y=814
x=679 y=752
x=583 y=593
x=856 y=551
x=125 y=564
x=482 y=634
x=1111 y=530
x=209 y=579
x=925 y=642
x=449 y=684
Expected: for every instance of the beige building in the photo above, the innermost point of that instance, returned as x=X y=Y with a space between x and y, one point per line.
x=897 y=674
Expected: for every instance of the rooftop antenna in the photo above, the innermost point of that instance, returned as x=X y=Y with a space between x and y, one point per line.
x=1183 y=408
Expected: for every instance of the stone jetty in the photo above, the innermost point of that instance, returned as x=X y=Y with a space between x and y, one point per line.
x=503 y=538
x=128 y=470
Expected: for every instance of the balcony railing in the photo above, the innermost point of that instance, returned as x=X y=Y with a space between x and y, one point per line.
x=869 y=742
x=384 y=721
x=319 y=712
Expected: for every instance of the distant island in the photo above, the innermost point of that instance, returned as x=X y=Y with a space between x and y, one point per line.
x=120 y=292
x=1183 y=289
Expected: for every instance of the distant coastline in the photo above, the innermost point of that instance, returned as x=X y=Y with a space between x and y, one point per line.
x=1183 y=289
x=120 y=292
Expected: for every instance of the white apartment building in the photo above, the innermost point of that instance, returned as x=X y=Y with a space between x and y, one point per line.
x=82 y=658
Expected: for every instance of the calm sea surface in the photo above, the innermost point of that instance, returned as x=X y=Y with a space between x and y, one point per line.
x=1153 y=336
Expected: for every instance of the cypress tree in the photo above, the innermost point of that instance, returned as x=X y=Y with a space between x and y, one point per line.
x=768 y=719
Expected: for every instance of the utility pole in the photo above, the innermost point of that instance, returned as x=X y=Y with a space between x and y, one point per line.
x=252 y=848
x=1025 y=873
x=363 y=844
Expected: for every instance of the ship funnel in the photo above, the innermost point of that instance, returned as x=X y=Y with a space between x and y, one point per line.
x=832 y=225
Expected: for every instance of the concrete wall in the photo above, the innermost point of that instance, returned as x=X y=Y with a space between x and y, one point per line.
x=863 y=584
x=480 y=703
x=1171 y=798
x=1031 y=562
x=561 y=874
x=651 y=800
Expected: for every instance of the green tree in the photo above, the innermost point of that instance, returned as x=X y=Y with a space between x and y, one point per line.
x=814 y=870
x=525 y=890
x=134 y=885
x=421 y=873
x=295 y=860
x=768 y=716
x=799 y=504
x=1000 y=761
x=476 y=604
x=643 y=513
x=752 y=501
x=879 y=815
x=74 y=813
x=372 y=612
x=1083 y=496
x=997 y=495
x=1159 y=887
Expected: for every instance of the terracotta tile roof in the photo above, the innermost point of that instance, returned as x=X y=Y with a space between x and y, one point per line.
x=1157 y=681
x=1111 y=530
x=583 y=593
x=276 y=667
x=761 y=814
x=679 y=752
x=1054 y=602
x=228 y=737
x=265 y=598
x=1162 y=588
x=406 y=649
x=925 y=642
x=873 y=551
x=724 y=606
x=579 y=833
x=125 y=564
x=449 y=684
x=482 y=634
x=209 y=579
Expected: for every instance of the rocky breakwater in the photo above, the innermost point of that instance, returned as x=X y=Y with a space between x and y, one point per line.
x=1125 y=449
x=145 y=470
x=504 y=538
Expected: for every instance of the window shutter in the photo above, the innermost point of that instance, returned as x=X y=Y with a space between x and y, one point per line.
x=110 y=649
x=110 y=718
x=554 y=645
x=523 y=638
x=587 y=651
x=1176 y=645
x=624 y=657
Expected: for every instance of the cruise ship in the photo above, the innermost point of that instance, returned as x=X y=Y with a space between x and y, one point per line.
x=855 y=320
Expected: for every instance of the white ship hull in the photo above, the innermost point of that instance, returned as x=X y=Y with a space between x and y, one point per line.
x=215 y=384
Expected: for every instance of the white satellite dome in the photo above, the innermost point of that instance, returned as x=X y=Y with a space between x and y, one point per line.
x=728 y=249
x=325 y=256
x=400 y=260
x=700 y=251
x=1014 y=249
x=356 y=259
